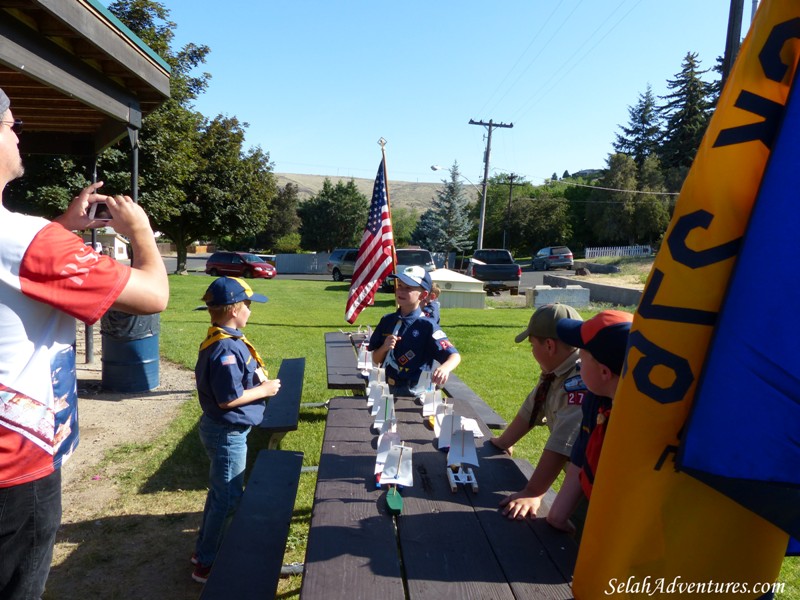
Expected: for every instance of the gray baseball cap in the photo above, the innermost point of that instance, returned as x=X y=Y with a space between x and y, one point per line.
x=543 y=321
x=5 y=103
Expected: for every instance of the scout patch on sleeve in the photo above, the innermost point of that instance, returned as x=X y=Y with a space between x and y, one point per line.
x=576 y=390
x=439 y=334
x=227 y=360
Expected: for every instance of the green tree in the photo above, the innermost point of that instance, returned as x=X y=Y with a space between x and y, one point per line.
x=404 y=221
x=446 y=226
x=334 y=217
x=640 y=138
x=610 y=213
x=685 y=114
x=283 y=220
x=548 y=221
x=428 y=231
x=565 y=174
x=451 y=206
x=651 y=213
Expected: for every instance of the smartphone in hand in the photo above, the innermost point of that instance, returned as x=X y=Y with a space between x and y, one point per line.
x=99 y=212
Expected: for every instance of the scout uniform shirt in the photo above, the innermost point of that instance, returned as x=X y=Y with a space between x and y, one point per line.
x=422 y=342
x=225 y=368
x=562 y=407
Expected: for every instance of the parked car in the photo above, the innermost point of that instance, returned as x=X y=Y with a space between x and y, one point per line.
x=407 y=257
x=341 y=263
x=239 y=264
x=497 y=270
x=552 y=257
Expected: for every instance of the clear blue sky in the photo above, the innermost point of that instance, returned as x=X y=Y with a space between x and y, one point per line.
x=319 y=82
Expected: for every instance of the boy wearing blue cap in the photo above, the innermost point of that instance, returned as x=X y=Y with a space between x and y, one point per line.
x=603 y=342
x=231 y=386
x=406 y=343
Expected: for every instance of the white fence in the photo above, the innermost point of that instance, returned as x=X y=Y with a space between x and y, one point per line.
x=619 y=251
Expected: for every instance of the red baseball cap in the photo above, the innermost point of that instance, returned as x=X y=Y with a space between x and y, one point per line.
x=605 y=336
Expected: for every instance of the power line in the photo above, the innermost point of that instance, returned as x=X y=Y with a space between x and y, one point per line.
x=597 y=187
x=563 y=73
x=524 y=52
x=525 y=70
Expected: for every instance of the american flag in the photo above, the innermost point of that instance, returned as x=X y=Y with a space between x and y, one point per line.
x=375 y=256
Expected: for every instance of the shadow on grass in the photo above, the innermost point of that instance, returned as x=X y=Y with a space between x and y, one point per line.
x=186 y=467
x=127 y=557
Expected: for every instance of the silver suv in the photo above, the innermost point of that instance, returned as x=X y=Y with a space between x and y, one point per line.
x=407 y=257
x=341 y=263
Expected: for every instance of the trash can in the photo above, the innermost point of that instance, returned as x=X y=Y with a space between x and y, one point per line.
x=129 y=351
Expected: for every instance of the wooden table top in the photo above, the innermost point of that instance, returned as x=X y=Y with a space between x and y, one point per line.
x=443 y=544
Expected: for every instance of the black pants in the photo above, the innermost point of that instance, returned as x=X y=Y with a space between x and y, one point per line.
x=30 y=514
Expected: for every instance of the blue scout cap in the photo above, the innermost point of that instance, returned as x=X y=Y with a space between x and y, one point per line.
x=414 y=276
x=230 y=290
x=605 y=336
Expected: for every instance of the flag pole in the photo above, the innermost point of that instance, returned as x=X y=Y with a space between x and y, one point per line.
x=382 y=142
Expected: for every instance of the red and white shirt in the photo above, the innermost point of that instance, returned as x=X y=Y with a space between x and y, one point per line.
x=48 y=277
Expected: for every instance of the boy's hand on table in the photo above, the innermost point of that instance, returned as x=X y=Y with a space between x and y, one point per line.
x=520 y=505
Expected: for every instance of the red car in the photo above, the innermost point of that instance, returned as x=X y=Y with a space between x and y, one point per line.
x=239 y=264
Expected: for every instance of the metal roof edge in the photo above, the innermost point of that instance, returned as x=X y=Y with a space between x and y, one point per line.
x=128 y=33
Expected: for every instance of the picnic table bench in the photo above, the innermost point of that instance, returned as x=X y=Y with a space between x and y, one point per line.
x=444 y=544
x=341 y=362
x=249 y=561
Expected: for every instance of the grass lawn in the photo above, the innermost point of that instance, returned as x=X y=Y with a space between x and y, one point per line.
x=293 y=324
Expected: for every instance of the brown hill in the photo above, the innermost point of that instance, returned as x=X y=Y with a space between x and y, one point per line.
x=405 y=194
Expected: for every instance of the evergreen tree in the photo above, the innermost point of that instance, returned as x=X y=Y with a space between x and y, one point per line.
x=685 y=113
x=565 y=175
x=641 y=137
x=428 y=232
x=446 y=226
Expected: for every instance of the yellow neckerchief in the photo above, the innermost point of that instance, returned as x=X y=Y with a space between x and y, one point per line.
x=217 y=333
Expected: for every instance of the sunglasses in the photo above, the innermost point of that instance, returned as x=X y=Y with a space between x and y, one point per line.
x=15 y=125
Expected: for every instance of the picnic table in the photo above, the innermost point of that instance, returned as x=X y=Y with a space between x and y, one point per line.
x=444 y=544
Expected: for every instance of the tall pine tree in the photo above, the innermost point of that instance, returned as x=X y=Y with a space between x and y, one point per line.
x=641 y=137
x=686 y=114
x=446 y=226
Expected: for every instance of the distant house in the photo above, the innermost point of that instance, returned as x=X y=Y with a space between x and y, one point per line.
x=112 y=244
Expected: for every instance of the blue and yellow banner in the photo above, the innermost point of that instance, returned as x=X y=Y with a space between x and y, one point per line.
x=647 y=521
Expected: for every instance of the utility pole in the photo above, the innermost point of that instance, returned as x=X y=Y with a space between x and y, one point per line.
x=733 y=40
x=506 y=234
x=490 y=125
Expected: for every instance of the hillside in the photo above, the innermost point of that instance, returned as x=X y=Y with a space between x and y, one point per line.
x=405 y=194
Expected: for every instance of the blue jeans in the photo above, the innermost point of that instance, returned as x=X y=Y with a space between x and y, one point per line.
x=226 y=446
x=30 y=514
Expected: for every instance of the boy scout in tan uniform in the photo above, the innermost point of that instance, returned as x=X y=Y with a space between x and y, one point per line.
x=555 y=402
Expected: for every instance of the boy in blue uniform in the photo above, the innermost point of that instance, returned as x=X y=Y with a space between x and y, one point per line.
x=231 y=386
x=431 y=306
x=406 y=343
